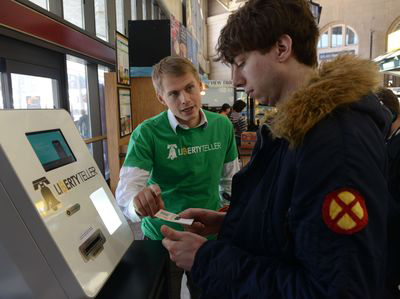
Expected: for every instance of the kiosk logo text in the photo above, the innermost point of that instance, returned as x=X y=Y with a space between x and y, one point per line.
x=67 y=184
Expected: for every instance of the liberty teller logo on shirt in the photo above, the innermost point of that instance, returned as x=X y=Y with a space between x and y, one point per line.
x=174 y=152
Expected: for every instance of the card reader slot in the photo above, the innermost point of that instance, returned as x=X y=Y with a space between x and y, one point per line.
x=92 y=246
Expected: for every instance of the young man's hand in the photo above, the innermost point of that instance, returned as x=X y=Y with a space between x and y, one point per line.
x=148 y=201
x=182 y=246
x=206 y=222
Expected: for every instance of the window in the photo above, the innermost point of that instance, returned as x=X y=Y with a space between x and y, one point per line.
x=101 y=19
x=101 y=71
x=133 y=10
x=42 y=3
x=351 y=37
x=32 y=92
x=1 y=95
x=73 y=12
x=217 y=96
x=337 y=38
x=324 y=40
x=120 y=16
x=78 y=95
x=146 y=9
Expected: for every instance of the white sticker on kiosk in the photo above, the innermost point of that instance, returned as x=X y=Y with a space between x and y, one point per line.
x=106 y=210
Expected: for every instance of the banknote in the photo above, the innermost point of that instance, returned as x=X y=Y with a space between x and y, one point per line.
x=167 y=216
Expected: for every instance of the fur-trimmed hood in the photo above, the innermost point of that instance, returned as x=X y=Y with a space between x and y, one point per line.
x=336 y=84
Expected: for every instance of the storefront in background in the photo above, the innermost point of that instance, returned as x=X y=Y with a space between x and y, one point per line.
x=389 y=63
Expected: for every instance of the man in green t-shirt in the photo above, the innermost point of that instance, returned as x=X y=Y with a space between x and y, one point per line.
x=183 y=157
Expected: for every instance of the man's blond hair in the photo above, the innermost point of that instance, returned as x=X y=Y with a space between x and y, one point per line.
x=171 y=65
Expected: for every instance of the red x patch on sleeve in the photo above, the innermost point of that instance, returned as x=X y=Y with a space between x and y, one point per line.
x=344 y=211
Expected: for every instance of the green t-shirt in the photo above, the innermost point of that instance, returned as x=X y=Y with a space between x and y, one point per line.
x=187 y=165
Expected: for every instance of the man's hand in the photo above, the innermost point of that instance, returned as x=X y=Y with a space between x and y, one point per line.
x=148 y=201
x=206 y=222
x=182 y=246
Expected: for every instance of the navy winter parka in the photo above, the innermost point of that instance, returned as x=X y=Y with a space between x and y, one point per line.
x=281 y=238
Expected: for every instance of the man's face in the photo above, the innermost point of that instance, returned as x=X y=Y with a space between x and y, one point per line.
x=182 y=96
x=260 y=75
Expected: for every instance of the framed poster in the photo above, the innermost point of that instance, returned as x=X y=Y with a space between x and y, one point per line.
x=122 y=46
x=175 y=36
x=125 y=112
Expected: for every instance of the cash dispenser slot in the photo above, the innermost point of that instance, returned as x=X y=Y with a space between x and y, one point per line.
x=93 y=245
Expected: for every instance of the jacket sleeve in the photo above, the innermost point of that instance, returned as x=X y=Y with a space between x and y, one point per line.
x=231 y=163
x=321 y=263
x=132 y=180
x=136 y=170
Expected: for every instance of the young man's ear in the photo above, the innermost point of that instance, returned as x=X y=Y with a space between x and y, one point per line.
x=161 y=100
x=284 y=48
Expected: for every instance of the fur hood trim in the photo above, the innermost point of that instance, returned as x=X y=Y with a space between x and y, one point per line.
x=336 y=84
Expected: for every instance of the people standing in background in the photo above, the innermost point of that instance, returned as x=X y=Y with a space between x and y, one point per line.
x=390 y=100
x=184 y=157
x=225 y=109
x=238 y=120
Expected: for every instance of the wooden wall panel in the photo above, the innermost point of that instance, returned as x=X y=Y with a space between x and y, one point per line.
x=112 y=121
x=144 y=104
x=144 y=100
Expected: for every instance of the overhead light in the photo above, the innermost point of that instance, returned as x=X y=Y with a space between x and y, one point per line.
x=231 y=5
x=202 y=92
x=315 y=10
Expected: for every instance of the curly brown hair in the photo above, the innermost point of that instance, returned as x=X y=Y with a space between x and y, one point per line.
x=260 y=23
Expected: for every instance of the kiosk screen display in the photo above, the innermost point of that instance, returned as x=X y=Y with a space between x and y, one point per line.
x=51 y=148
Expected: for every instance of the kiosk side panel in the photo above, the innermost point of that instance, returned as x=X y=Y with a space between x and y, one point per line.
x=44 y=269
x=24 y=271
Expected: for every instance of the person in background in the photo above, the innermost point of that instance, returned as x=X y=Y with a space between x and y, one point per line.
x=225 y=109
x=308 y=214
x=239 y=121
x=184 y=157
x=390 y=100
x=83 y=124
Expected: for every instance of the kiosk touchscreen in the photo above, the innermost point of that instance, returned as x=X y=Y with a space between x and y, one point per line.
x=61 y=231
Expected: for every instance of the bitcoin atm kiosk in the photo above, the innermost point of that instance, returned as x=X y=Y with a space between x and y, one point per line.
x=61 y=232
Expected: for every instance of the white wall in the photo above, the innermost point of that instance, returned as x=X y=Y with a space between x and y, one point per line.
x=218 y=71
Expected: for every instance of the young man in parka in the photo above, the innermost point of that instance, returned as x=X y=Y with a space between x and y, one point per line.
x=308 y=214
